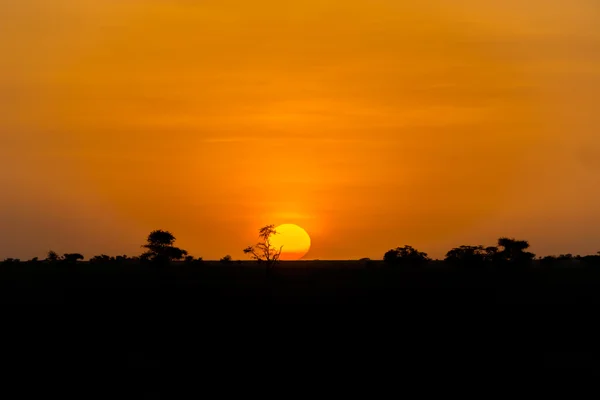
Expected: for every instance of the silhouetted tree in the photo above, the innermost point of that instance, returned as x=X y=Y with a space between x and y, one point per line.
x=226 y=260
x=161 y=249
x=548 y=261
x=72 y=258
x=121 y=259
x=491 y=254
x=405 y=256
x=263 y=251
x=513 y=252
x=591 y=261
x=467 y=256
x=190 y=260
x=563 y=260
x=53 y=257
x=101 y=259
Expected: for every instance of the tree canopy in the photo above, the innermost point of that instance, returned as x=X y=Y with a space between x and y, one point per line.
x=161 y=248
x=406 y=255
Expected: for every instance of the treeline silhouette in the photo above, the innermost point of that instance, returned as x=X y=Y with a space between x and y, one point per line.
x=453 y=315
x=505 y=273
x=161 y=251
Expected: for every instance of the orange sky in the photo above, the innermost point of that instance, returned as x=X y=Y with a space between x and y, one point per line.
x=371 y=124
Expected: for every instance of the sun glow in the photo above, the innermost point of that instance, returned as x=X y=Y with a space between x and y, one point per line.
x=294 y=239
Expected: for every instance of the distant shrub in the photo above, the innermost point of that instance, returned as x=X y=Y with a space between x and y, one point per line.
x=405 y=256
x=470 y=256
x=72 y=258
x=53 y=257
x=191 y=261
x=226 y=260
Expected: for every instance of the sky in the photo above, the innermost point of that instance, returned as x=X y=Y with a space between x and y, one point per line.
x=372 y=124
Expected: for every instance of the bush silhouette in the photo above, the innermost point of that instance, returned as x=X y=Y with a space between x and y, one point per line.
x=72 y=258
x=53 y=257
x=101 y=259
x=405 y=256
x=469 y=256
x=190 y=260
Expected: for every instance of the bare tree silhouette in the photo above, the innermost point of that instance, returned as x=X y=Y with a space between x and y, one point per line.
x=263 y=251
x=161 y=249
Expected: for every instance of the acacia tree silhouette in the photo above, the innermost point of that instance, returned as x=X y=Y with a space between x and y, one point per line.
x=263 y=251
x=161 y=249
x=513 y=251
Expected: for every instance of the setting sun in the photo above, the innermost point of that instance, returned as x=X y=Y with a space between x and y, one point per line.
x=380 y=123
x=229 y=169
x=295 y=241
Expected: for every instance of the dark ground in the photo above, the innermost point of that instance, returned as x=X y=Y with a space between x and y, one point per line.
x=338 y=323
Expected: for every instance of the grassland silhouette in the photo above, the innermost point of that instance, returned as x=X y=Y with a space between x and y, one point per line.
x=485 y=312
x=506 y=269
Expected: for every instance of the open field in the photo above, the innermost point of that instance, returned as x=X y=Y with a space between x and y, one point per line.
x=302 y=282
x=318 y=322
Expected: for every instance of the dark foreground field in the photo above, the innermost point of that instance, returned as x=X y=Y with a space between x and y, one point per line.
x=336 y=283
x=308 y=322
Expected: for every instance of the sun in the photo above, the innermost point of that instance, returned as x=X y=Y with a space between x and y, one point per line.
x=295 y=241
